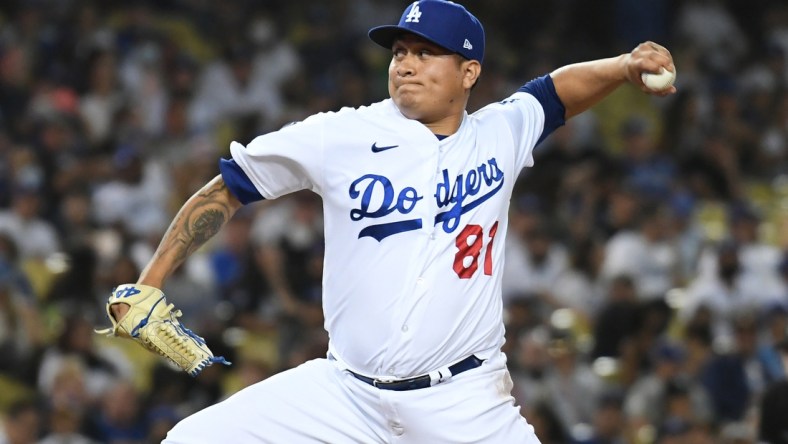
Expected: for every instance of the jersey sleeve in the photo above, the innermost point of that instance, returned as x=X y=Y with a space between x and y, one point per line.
x=238 y=182
x=529 y=115
x=543 y=90
x=277 y=163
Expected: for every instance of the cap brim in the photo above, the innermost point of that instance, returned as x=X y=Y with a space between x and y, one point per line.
x=385 y=35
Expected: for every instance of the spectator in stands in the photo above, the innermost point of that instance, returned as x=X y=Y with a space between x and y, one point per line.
x=756 y=256
x=65 y=425
x=725 y=293
x=772 y=425
x=119 y=422
x=647 y=401
x=286 y=248
x=534 y=261
x=618 y=318
x=734 y=378
x=580 y=286
x=649 y=172
x=647 y=254
x=775 y=325
x=103 y=366
x=21 y=423
x=35 y=237
x=101 y=104
x=571 y=386
x=608 y=424
x=21 y=327
x=138 y=186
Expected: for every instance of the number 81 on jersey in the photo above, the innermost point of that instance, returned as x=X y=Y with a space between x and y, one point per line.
x=470 y=243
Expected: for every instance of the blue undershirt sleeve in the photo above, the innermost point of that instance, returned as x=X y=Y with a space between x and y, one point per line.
x=554 y=111
x=238 y=183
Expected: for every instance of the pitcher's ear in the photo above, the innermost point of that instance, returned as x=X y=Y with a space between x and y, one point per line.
x=472 y=69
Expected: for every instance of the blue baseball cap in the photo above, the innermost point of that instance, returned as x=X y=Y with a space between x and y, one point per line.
x=444 y=23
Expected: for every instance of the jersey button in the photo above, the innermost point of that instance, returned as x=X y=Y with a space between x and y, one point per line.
x=420 y=281
x=391 y=371
x=405 y=328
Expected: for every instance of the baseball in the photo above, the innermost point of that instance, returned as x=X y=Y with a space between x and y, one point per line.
x=658 y=82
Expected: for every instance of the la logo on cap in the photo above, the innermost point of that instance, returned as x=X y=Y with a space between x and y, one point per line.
x=414 y=14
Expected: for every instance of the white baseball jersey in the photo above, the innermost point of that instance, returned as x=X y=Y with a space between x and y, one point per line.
x=412 y=281
x=414 y=225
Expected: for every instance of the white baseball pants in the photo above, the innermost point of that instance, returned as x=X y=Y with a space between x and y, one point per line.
x=319 y=402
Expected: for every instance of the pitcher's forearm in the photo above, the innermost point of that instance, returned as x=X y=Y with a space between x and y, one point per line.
x=200 y=218
x=582 y=85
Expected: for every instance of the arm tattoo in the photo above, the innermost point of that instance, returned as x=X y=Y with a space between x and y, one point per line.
x=206 y=225
x=198 y=221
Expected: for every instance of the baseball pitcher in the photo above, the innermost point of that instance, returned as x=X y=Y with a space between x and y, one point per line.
x=415 y=197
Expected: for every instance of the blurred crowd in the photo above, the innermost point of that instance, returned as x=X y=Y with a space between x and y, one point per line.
x=646 y=280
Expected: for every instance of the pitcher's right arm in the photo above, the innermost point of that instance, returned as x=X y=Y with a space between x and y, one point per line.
x=199 y=219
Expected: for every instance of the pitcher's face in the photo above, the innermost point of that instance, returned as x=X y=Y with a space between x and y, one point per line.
x=428 y=82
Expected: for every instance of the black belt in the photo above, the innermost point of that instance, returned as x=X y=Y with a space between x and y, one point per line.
x=420 y=382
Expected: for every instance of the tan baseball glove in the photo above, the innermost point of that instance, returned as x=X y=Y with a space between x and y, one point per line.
x=152 y=323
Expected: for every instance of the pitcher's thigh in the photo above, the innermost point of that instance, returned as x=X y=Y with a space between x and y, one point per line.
x=476 y=407
x=306 y=404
